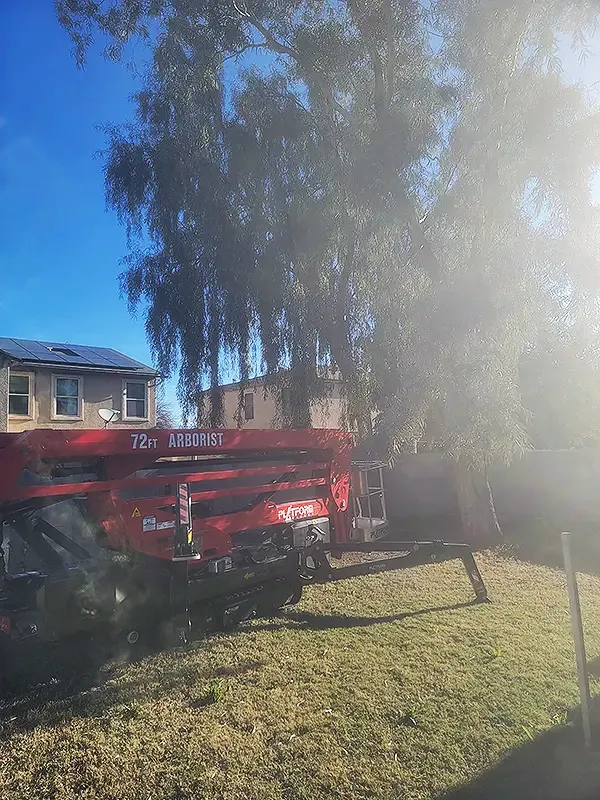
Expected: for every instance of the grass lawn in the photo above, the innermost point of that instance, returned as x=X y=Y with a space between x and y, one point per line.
x=379 y=687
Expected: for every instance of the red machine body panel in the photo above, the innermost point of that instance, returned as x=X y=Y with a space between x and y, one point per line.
x=239 y=480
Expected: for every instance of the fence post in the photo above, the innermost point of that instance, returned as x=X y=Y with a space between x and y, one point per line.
x=577 y=626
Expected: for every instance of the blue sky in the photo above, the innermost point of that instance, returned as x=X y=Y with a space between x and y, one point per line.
x=59 y=246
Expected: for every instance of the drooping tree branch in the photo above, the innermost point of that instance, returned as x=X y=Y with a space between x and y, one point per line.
x=379 y=89
x=420 y=241
x=491 y=179
x=224 y=178
x=282 y=49
x=391 y=49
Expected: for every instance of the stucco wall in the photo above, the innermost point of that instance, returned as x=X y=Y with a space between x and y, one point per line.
x=100 y=390
x=3 y=395
x=558 y=485
x=328 y=413
x=324 y=415
x=264 y=408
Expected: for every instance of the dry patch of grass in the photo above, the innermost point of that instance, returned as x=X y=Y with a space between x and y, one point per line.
x=381 y=686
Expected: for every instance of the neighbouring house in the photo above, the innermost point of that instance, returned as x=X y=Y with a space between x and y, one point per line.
x=57 y=385
x=259 y=409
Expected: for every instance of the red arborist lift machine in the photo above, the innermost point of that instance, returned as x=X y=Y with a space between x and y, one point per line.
x=184 y=531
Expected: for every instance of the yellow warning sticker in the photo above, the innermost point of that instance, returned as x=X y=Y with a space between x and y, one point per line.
x=136 y=513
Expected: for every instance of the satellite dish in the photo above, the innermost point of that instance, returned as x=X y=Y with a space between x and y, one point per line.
x=108 y=415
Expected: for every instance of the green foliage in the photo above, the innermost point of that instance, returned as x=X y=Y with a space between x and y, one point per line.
x=559 y=380
x=321 y=185
x=528 y=733
x=494 y=652
x=560 y=718
x=216 y=692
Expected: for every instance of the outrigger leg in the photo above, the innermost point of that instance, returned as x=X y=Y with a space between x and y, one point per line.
x=315 y=567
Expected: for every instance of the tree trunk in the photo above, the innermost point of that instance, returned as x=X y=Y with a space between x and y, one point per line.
x=476 y=505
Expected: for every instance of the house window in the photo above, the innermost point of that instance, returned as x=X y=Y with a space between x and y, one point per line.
x=19 y=395
x=248 y=406
x=135 y=399
x=68 y=396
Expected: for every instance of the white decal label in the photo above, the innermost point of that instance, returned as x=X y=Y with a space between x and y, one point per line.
x=182 y=439
x=141 y=441
x=291 y=513
x=149 y=524
x=162 y=526
x=196 y=439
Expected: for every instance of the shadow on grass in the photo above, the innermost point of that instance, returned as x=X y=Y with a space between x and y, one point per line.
x=593 y=667
x=554 y=766
x=42 y=684
x=52 y=670
x=47 y=685
x=320 y=622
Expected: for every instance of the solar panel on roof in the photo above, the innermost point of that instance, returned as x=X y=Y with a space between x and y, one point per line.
x=42 y=353
x=60 y=352
x=13 y=348
x=48 y=352
x=74 y=354
x=37 y=349
x=105 y=355
x=93 y=357
x=69 y=355
x=117 y=359
x=27 y=346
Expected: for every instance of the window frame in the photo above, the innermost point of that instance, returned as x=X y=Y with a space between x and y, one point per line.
x=124 y=415
x=246 y=417
x=30 y=412
x=67 y=417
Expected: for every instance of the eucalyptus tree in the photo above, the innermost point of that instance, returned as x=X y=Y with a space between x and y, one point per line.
x=398 y=190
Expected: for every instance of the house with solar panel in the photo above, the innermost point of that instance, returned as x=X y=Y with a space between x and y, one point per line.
x=57 y=385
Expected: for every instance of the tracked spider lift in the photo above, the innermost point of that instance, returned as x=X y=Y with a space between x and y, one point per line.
x=185 y=531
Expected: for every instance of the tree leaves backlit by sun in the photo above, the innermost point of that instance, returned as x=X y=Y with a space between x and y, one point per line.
x=399 y=190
